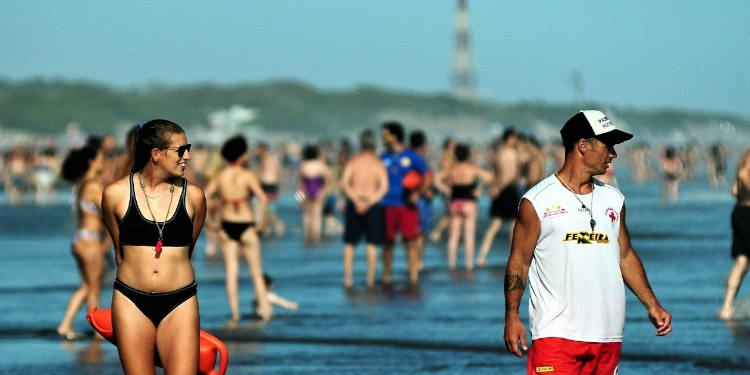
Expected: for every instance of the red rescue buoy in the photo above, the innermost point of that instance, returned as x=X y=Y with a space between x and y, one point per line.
x=210 y=345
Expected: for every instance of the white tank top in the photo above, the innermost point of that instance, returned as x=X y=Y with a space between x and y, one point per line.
x=575 y=283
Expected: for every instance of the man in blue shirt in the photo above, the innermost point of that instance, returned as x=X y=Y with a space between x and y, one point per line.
x=407 y=172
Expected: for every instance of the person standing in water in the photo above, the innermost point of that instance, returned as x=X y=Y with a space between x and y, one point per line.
x=673 y=169
x=740 y=235
x=83 y=167
x=462 y=183
x=505 y=193
x=418 y=143
x=314 y=184
x=445 y=161
x=401 y=214
x=572 y=243
x=269 y=172
x=364 y=183
x=154 y=217
x=235 y=186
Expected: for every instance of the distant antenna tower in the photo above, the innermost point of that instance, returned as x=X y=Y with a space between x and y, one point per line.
x=463 y=80
x=576 y=79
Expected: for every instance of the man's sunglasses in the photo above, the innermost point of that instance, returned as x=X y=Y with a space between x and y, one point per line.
x=181 y=149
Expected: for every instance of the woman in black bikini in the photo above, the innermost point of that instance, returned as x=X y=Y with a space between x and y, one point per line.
x=462 y=182
x=154 y=217
x=235 y=185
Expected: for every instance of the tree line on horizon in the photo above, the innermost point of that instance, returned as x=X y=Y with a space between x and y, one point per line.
x=45 y=106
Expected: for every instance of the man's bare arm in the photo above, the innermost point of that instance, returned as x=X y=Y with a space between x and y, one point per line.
x=382 y=183
x=345 y=184
x=525 y=236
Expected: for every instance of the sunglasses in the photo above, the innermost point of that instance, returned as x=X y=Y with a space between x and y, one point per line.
x=181 y=149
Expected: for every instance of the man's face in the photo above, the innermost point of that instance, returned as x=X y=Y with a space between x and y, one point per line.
x=600 y=155
x=388 y=139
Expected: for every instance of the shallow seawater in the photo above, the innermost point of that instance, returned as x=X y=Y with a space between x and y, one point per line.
x=452 y=323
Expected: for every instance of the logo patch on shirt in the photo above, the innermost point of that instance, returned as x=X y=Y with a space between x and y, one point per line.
x=587 y=237
x=405 y=162
x=554 y=210
x=612 y=214
x=543 y=369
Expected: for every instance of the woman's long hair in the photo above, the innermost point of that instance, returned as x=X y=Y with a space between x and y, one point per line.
x=77 y=162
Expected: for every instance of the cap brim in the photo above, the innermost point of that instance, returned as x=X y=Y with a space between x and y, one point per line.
x=614 y=137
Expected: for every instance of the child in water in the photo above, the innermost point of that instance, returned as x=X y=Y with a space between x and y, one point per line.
x=274 y=298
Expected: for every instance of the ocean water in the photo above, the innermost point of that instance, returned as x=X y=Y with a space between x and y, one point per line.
x=452 y=323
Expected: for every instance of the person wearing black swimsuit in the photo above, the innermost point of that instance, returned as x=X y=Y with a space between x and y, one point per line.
x=154 y=217
x=234 y=185
x=462 y=182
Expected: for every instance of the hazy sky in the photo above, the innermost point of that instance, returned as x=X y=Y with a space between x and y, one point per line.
x=647 y=54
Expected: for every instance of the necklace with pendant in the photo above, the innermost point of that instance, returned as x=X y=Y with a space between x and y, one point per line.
x=153 y=197
x=160 y=240
x=591 y=205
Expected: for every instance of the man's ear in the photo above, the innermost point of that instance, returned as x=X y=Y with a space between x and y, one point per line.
x=581 y=146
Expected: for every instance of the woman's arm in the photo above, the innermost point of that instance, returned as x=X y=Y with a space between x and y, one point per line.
x=485 y=178
x=441 y=182
x=257 y=190
x=112 y=195
x=197 y=201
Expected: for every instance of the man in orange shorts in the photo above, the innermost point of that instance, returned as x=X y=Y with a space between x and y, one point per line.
x=572 y=243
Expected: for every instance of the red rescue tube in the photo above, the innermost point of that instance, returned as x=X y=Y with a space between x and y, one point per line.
x=210 y=345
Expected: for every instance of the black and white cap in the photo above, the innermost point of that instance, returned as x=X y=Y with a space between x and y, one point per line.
x=592 y=123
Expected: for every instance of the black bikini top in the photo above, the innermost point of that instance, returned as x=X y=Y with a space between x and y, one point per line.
x=136 y=230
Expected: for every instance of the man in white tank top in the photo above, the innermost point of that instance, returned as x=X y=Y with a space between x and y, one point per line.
x=572 y=246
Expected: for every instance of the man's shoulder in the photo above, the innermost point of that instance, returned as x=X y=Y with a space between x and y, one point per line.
x=415 y=156
x=542 y=188
x=609 y=189
x=248 y=173
x=413 y=153
x=364 y=158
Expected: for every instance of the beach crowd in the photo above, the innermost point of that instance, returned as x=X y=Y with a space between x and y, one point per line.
x=390 y=188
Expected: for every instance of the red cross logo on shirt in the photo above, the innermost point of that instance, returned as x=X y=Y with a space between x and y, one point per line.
x=612 y=214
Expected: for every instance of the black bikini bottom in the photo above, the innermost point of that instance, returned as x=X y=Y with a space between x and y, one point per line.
x=235 y=230
x=156 y=306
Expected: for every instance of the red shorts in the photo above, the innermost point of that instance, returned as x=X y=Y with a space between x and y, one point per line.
x=553 y=355
x=401 y=219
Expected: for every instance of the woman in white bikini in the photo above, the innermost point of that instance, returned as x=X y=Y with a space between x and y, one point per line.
x=83 y=167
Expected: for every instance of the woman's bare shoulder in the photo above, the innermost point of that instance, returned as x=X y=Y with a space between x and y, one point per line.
x=249 y=173
x=117 y=187
x=194 y=191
